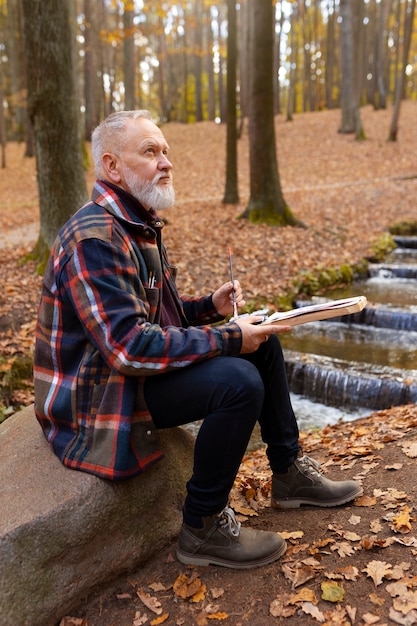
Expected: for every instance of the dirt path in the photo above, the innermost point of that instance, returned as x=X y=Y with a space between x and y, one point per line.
x=365 y=553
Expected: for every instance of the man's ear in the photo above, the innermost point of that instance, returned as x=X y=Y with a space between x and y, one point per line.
x=111 y=167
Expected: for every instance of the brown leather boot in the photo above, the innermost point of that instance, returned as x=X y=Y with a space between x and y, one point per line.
x=222 y=541
x=304 y=484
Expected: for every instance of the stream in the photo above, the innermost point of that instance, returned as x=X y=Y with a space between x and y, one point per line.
x=348 y=367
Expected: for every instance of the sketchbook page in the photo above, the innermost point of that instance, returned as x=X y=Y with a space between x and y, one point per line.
x=317 y=312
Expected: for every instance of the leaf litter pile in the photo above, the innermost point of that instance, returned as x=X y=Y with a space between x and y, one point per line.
x=344 y=566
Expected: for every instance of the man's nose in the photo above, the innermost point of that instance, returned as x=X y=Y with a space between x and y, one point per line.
x=164 y=163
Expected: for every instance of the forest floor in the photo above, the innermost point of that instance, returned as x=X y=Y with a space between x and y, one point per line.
x=350 y=565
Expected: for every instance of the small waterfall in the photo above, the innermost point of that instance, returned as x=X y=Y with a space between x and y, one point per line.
x=405 y=242
x=391 y=270
x=335 y=382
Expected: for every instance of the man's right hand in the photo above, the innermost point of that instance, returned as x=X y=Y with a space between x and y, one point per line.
x=254 y=334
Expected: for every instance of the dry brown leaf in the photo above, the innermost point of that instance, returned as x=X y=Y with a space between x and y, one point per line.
x=398 y=618
x=343 y=548
x=310 y=609
x=377 y=570
x=375 y=526
x=349 y=573
x=406 y=602
x=149 y=601
x=375 y=599
x=157 y=587
x=73 y=621
x=294 y=534
x=298 y=574
x=304 y=595
x=139 y=619
x=369 y=618
x=410 y=449
x=279 y=607
x=365 y=501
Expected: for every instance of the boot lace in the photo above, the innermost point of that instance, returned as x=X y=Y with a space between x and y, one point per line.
x=310 y=466
x=227 y=519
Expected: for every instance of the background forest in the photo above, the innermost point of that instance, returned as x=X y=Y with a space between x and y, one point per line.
x=171 y=57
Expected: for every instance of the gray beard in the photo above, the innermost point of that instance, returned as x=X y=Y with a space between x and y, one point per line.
x=149 y=194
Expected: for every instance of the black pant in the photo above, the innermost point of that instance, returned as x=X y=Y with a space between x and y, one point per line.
x=229 y=394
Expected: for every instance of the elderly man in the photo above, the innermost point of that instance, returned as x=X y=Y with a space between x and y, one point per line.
x=120 y=354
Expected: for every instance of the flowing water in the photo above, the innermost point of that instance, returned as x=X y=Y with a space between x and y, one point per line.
x=368 y=359
x=345 y=368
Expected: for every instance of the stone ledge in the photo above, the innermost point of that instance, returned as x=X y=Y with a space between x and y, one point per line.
x=64 y=533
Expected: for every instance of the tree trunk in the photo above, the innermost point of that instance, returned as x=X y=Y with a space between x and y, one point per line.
x=54 y=112
x=129 y=57
x=231 y=194
x=266 y=202
x=90 y=69
x=352 y=62
x=408 y=29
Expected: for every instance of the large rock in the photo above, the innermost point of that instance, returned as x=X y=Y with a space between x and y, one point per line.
x=62 y=532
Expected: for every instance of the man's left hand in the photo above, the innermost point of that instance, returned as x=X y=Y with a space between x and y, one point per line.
x=223 y=298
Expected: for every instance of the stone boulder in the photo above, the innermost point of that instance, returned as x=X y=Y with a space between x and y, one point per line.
x=63 y=533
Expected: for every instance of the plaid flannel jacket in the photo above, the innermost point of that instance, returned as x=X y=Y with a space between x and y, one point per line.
x=98 y=338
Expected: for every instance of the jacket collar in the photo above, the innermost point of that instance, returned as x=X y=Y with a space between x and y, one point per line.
x=123 y=205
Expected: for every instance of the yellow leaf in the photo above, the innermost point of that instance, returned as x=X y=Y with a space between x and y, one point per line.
x=218 y=616
x=187 y=587
x=332 y=591
x=402 y=521
x=200 y=595
x=304 y=595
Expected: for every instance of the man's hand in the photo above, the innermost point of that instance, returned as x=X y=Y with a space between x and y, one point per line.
x=254 y=334
x=223 y=298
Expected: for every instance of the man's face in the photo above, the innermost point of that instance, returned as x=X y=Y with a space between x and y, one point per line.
x=144 y=168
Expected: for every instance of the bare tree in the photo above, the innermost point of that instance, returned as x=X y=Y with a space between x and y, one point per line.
x=351 y=12
x=129 y=55
x=231 y=194
x=266 y=202
x=54 y=112
x=408 y=29
x=91 y=115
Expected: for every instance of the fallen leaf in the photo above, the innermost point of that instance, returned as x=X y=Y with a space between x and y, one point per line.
x=377 y=570
x=304 y=595
x=149 y=601
x=159 y=620
x=369 y=618
x=310 y=609
x=406 y=603
x=139 y=619
x=401 y=523
x=343 y=548
x=187 y=587
x=410 y=449
x=294 y=534
x=332 y=591
x=365 y=501
x=279 y=607
x=375 y=599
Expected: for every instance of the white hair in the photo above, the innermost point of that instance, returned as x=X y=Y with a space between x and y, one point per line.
x=109 y=136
